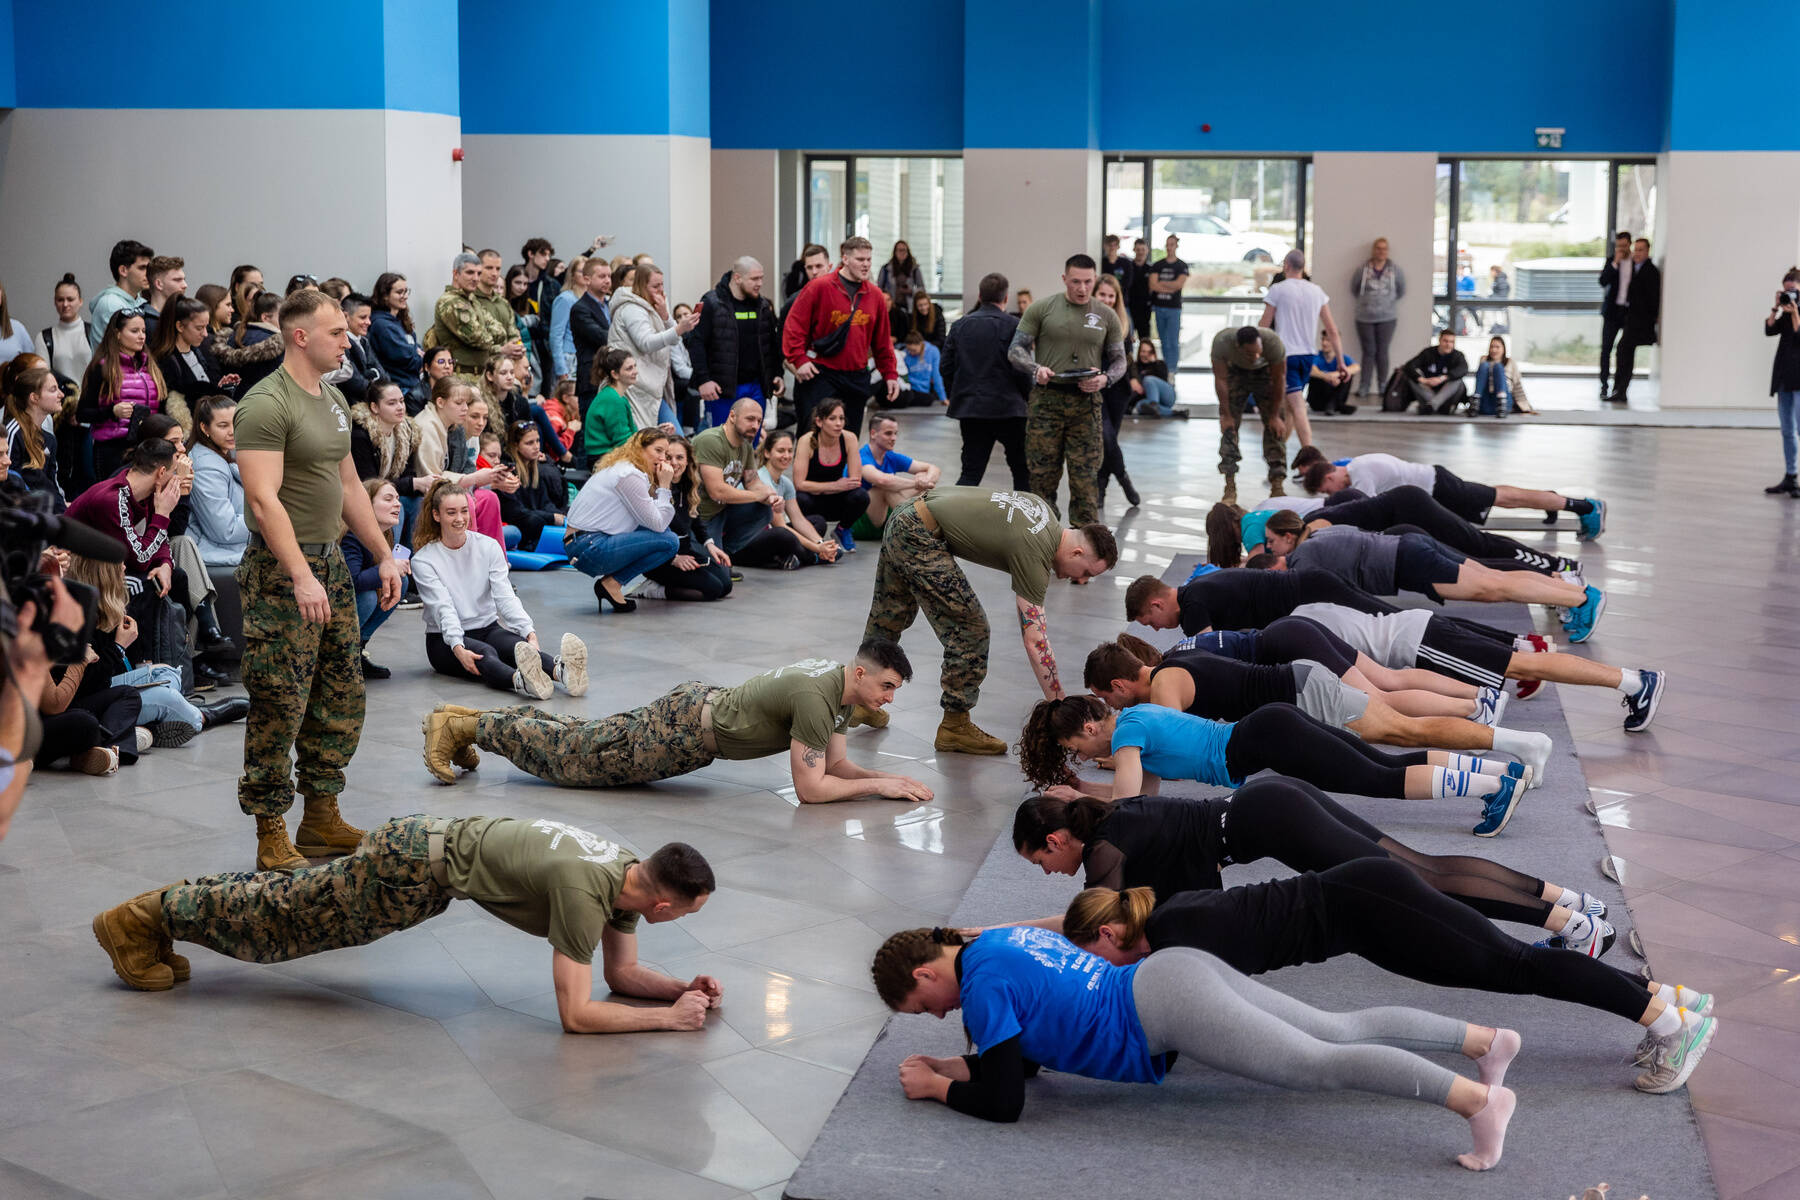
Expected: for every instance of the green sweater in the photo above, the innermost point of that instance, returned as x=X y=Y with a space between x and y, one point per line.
x=608 y=422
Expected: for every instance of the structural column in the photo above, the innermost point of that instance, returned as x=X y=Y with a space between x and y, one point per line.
x=1356 y=199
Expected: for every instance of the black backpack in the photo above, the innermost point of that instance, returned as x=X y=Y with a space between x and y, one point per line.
x=162 y=633
x=1397 y=396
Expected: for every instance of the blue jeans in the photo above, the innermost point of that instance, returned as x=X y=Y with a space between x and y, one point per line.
x=1159 y=396
x=1168 y=335
x=624 y=556
x=164 y=701
x=1787 y=407
x=370 y=615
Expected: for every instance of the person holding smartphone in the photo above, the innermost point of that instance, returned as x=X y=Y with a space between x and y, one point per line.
x=1783 y=322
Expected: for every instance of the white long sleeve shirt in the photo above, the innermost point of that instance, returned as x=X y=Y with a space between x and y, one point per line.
x=467 y=589
x=618 y=500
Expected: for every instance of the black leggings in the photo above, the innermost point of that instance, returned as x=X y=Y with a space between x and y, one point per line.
x=1279 y=737
x=1397 y=921
x=1413 y=506
x=114 y=712
x=1299 y=826
x=498 y=648
x=768 y=549
x=842 y=507
x=708 y=581
x=1112 y=412
x=1291 y=638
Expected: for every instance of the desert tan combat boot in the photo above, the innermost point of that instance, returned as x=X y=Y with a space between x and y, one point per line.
x=323 y=832
x=274 y=852
x=468 y=758
x=449 y=738
x=1229 y=496
x=958 y=733
x=874 y=718
x=1277 y=487
x=133 y=935
x=165 y=945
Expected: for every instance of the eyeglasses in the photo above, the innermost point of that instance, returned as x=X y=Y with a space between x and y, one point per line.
x=522 y=426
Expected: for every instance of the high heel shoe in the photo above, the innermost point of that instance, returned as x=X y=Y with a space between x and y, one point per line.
x=612 y=595
x=1131 y=494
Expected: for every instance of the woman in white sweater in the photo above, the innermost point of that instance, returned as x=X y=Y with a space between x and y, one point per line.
x=475 y=627
x=618 y=526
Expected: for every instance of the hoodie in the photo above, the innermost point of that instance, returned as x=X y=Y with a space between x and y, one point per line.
x=640 y=331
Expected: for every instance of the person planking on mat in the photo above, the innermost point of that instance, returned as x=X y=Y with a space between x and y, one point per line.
x=1149 y=743
x=1372 y=474
x=1477 y=654
x=1128 y=671
x=1411 y=560
x=802 y=708
x=1030 y=998
x=1379 y=910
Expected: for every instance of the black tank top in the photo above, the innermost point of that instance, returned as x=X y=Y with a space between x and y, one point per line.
x=1256 y=928
x=1167 y=845
x=1226 y=689
x=819 y=472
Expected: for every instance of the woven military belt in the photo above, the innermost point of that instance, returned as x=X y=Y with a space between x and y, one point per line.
x=310 y=549
x=434 y=853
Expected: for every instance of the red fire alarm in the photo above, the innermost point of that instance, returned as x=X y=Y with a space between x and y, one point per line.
x=456 y=154
x=1206 y=128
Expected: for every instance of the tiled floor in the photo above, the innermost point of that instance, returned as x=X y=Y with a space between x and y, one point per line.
x=430 y=1063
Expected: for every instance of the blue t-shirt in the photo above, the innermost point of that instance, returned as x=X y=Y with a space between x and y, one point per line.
x=1251 y=524
x=1204 y=568
x=1176 y=745
x=1071 y=1011
x=1239 y=644
x=893 y=463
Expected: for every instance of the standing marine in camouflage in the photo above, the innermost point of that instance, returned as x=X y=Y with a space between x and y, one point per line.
x=466 y=324
x=802 y=708
x=302 y=651
x=1250 y=362
x=555 y=881
x=1013 y=532
x=1073 y=348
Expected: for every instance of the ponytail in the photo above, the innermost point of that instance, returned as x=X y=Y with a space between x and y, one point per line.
x=425 y=530
x=904 y=953
x=1040 y=816
x=1128 y=910
x=1119 y=659
x=1041 y=754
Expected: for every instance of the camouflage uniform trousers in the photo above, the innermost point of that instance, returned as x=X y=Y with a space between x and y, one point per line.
x=271 y=916
x=657 y=741
x=1239 y=387
x=917 y=571
x=1063 y=426
x=305 y=684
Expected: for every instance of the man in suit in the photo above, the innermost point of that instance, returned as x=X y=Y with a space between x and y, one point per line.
x=1612 y=314
x=987 y=394
x=589 y=324
x=1640 y=294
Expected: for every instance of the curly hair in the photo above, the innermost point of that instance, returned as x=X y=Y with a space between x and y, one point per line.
x=1042 y=755
x=904 y=953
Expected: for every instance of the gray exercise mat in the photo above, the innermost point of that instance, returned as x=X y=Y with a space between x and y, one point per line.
x=1206 y=1134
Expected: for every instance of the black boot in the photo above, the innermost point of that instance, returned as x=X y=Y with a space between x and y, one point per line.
x=212 y=639
x=1787 y=485
x=1131 y=493
x=224 y=712
x=372 y=669
x=207 y=677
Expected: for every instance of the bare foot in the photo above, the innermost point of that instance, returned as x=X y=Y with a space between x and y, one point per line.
x=1491 y=1067
x=1489 y=1129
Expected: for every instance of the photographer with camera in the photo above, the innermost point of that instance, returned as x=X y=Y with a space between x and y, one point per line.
x=1783 y=322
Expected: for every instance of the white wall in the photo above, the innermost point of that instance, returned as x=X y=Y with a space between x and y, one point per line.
x=1356 y=199
x=1024 y=212
x=288 y=190
x=1731 y=228
x=424 y=205
x=690 y=264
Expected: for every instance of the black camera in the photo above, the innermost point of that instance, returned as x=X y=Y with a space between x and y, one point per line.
x=27 y=528
x=1789 y=297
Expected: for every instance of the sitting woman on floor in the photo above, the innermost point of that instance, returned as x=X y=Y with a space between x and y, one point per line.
x=829 y=475
x=384 y=498
x=700 y=570
x=777 y=456
x=475 y=627
x=447 y=451
x=618 y=527
x=217 y=501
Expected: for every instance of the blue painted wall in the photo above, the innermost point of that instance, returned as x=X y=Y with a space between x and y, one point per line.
x=420 y=47
x=1031 y=75
x=1733 y=72
x=785 y=75
x=9 y=82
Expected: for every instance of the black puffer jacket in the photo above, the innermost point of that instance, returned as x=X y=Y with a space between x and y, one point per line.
x=714 y=346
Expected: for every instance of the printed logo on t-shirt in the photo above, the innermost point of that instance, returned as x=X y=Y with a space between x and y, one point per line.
x=813 y=668
x=734 y=473
x=1026 y=505
x=598 y=849
x=1093 y=320
x=343 y=421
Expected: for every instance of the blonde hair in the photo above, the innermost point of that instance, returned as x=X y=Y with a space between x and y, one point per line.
x=107 y=579
x=1129 y=910
x=634 y=450
x=1118 y=304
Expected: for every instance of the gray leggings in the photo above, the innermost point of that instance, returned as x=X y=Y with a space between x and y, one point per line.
x=1189 y=1001
x=1375 y=337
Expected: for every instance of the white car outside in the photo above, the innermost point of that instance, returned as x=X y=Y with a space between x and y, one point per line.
x=1205 y=239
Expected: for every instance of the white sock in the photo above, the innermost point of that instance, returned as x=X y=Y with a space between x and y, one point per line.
x=1630 y=682
x=1579 y=929
x=1510 y=741
x=1667 y=1021
x=1476 y=764
x=1666 y=993
x=1568 y=899
x=1446 y=781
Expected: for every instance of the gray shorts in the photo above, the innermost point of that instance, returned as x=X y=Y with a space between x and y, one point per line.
x=1325 y=697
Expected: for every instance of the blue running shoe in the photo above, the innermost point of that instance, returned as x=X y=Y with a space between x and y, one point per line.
x=1580 y=623
x=846 y=539
x=1593 y=523
x=1640 y=709
x=1500 y=806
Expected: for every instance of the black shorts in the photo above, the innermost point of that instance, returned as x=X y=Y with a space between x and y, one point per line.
x=1423 y=562
x=1452 y=649
x=1470 y=501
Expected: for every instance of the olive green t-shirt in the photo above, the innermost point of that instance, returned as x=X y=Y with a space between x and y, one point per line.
x=550 y=879
x=1224 y=346
x=802 y=702
x=312 y=434
x=739 y=464
x=1013 y=532
x=1071 y=337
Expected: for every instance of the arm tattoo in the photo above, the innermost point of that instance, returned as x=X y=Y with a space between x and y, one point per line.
x=1032 y=617
x=1115 y=363
x=1022 y=354
x=811 y=757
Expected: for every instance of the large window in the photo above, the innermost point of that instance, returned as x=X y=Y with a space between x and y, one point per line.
x=917 y=200
x=1530 y=237
x=1235 y=218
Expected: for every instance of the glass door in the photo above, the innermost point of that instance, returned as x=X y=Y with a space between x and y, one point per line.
x=828 y=219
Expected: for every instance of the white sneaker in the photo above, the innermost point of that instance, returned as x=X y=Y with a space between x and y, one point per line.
x=529 y=678
x=571 y=665
x=649 y=589
x=145 y=739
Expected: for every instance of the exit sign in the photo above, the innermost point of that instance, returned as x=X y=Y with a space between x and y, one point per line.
x=1550 y=138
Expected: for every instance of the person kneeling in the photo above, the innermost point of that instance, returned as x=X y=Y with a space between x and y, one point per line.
x=474 y=623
